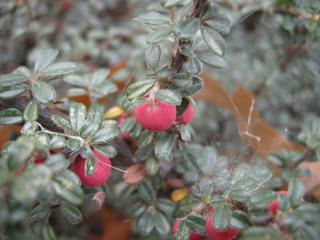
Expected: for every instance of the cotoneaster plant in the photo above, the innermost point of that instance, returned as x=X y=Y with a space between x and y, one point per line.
x=167 y=177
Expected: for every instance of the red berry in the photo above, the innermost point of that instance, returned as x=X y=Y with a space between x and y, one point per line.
x=187 y=116
x=193 y=235
x=102 y=170
x=275 y=205
x=214 y=234
x=155 y=115
x=66 y=5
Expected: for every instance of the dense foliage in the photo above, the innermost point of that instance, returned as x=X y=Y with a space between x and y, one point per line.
x=205 y=113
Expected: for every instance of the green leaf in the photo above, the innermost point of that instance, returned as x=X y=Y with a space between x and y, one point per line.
x=171 y=3
x=153 y=18
x=296 y=191
x=152 y=166
x=10 y=116
x=89 y=167
x=74 y=144
x=32 y=111
x=40 y=213
x=246 y=179
x=44 y=58
x=103 y=89
x=12 y=79
x=139 y=88
x=188 y=28
x=61 y=122
x=47 y=233
x=12 y=91
x=76 y=80
x=196 y=86
x=221 y=25
x=58 y=142
x=77 y=115
x=214 y=40
x=71 y=213
x=29 y=128
x=42 y=141
x=193 y=66
x=262 y=198
x=221 y=217
x=57 y=162
x=106 y=150
x=43 y=91
x=210 y=59
x=93 y=120
x=259 y=233
x=18 y=152
x=161 y=223
x=185 y=133
x=196 y=223
x=158 y=35
x=106 y=134
x=77 y=92
x=145 y=223
x=183 y=231
x=99 y=76
x=67 y=190
x=240 y=220
x=59 y=69
x=163 y=147
x=169 y=96
x=146 y=192
x=165 y=205
x=152 y=56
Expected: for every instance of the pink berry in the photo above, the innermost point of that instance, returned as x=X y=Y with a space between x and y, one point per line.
x=275 y=205
x=214 y=234
x=155 y=115
x=66 y=5
x=187 y=116
x=193 y=235
x=101 y=172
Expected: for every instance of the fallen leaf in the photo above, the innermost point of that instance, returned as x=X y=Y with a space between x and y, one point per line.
x=258 y=134
x=179 y=194
x=5 y=133
x=99 y=198
x=113 y=112
x=118 y=67
x=313 y=180
x=135 y=174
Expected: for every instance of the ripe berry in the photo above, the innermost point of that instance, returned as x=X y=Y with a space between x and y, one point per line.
x=214 y=234
x=187 y=116
x=275 y=205
x=66 y=5
x=155 y=115
x=193 y=235
x=102 y=170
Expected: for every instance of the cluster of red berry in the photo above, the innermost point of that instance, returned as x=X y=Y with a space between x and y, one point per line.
x=230 y=233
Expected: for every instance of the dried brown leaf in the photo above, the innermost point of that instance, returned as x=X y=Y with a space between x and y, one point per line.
x=135 y=174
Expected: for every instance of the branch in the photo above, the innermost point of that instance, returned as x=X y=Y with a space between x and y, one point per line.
x=179 y=59
x=124 y=152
